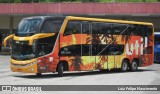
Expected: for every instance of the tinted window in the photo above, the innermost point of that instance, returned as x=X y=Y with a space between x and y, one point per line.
x=96 y=49
x=107 y=49
x=149 y=30
x=52 y=26
x=133 y=30
x=73 y=27
x=28 y=25
x=46 y=45
x=115 y=49
x=103 y=49
x=85 y=27
x=86 y=50
x=145 y=30
x=156 y=39
x=108 y=28
x=105 y=28
x=119 y=28
x=101 y=28
x=73 y=50
x=138 y=30
x=95 y=29
x=142 y=30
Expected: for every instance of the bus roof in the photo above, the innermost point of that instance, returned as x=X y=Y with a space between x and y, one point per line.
x=156 y=33
x=107 y=20
x=91 y=19
x=43 y=17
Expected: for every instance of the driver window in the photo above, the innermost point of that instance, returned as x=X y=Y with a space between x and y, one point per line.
x=51 y=26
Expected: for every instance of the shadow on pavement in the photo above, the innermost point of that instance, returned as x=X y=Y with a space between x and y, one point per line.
x=73 y=74
x=156 y=62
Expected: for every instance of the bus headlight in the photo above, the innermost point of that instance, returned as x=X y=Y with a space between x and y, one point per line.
x=32 y=63
x=23 y=65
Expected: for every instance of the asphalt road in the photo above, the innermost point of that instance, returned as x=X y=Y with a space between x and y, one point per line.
x=144 y=76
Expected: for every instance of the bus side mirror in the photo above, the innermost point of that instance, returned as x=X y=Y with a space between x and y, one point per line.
x=6 y=39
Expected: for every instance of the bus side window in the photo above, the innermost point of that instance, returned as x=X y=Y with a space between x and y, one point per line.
x=133 y=30
x=95 y=27
x=73 y=27
x=101 y=28
x=105 y=28
x=116 y=49
x=86 y=50
x=145 y=30
x=117 y=29
x=120 y=29
x=96 y=49
x=85 y=28
x=141 y=30
x=47 y=27
x=105 y=49
x=73 y=50
x=149 y=30
x=51 y=26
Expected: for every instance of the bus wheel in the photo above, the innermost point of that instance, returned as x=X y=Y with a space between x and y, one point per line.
x=60 y=70
x=134 y=65
x=124 y=66
x=38 y=74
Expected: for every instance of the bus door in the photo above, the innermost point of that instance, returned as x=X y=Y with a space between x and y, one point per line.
x=88 y=59
x=100 y=43
x=70 y=45
x=115 y=52
x=104 y=56
x=111 y=57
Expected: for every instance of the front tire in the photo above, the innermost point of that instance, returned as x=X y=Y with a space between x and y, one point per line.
x=124 y=66
x=38 y=74
x=60 y=70
x=134 y=65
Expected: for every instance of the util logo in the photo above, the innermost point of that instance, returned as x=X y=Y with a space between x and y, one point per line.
x=144 y=43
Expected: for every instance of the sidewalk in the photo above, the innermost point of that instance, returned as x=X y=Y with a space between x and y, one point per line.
x=5 y=51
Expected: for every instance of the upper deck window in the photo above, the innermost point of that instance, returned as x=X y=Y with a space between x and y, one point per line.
x=73 y=27
x=28 y=26
x=52 y=26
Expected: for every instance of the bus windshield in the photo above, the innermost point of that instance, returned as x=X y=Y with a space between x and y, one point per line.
x=21 y=51
x=157 y=39
x=28 y=26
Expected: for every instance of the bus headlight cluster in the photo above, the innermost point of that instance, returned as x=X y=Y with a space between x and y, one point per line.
x=23 y=65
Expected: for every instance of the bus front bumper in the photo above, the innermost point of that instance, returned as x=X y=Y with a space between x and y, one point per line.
x=26 y=68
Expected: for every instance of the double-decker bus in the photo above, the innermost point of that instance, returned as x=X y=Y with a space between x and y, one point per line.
x=157 y=47
x=57 y=44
